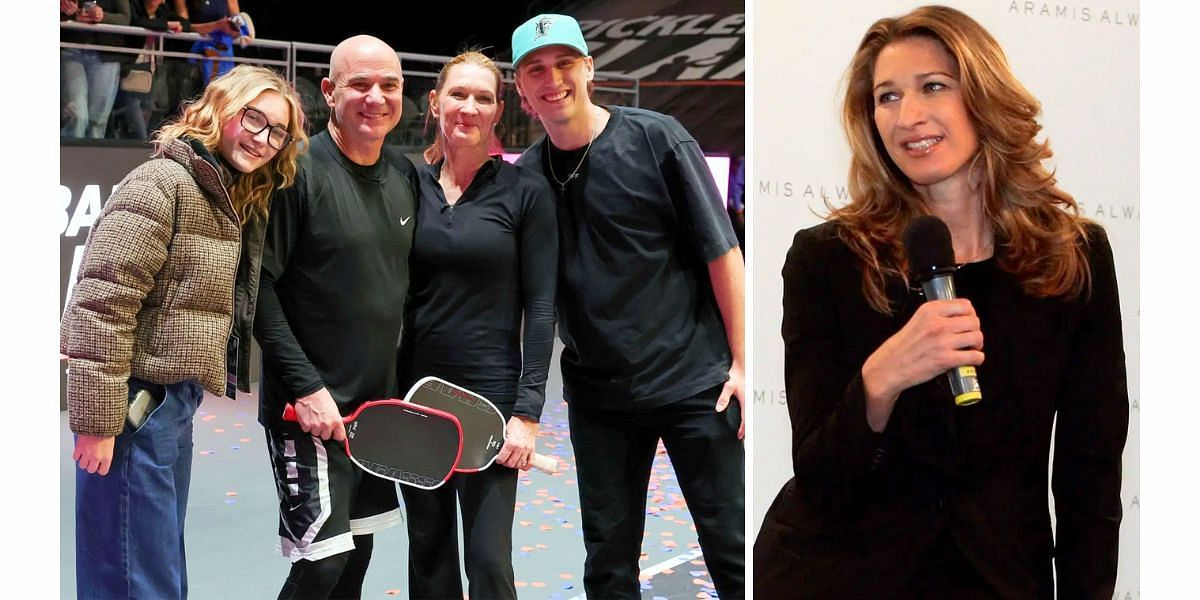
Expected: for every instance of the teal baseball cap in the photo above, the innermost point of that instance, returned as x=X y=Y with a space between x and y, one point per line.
x=547 y=30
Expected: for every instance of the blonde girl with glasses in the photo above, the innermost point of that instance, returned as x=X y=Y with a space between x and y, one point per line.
x=161 y=312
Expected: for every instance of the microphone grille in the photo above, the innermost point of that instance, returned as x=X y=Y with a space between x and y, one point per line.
x=927 y=244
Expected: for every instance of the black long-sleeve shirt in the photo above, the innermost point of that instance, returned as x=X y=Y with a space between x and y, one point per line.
x=973 y=476
x=478 y=267
x=164 y=14
x=334 y=279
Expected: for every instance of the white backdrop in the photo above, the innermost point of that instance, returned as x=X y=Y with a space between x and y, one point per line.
x=1080 y=59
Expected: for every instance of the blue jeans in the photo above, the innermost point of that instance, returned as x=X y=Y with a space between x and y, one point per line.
x=129 y=523
x=88 y=86
x=131 y=109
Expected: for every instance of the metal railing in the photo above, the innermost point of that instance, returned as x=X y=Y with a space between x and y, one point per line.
x=304 y=64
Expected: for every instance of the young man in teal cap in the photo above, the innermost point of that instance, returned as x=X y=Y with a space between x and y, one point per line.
x=650 y=308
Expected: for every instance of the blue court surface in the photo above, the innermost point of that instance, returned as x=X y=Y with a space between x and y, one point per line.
x=231 y=524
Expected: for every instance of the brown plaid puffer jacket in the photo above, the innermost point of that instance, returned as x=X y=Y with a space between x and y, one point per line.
x=154 y=296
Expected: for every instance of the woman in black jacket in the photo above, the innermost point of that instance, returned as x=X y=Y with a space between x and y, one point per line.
x=135 y=102
x=898 y=492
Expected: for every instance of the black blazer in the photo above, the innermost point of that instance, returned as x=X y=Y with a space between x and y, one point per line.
x=865 y=510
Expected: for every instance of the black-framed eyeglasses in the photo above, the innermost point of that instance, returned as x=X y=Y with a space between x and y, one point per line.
x=254 y=121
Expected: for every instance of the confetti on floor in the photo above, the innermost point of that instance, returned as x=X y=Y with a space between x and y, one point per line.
x=547 y=533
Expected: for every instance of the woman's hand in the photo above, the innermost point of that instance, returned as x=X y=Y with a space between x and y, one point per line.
x=941 y=335
x=226 y=26
x=94 y=453
x=95 y=14
x=520 y=436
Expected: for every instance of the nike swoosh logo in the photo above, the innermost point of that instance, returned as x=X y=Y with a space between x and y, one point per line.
x=405 y=220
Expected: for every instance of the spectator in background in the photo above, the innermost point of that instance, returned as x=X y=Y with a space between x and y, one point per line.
x=208 y=16
x=88 y=78
x=224 y=23
x=183 y=77
x=134 y=107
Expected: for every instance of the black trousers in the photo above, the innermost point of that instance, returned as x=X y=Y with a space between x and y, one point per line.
x=614 y=452
x=487 y=500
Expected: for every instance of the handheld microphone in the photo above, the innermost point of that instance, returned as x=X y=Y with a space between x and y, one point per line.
x=931 y=260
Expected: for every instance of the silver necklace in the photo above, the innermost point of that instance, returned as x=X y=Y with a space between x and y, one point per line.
x=562 y=185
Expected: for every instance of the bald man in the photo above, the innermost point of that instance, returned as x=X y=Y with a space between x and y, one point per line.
x=334 y=279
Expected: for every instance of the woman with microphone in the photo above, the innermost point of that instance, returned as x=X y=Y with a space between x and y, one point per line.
x=899 y=492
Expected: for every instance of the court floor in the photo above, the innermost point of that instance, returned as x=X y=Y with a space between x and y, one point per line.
x=231 y=526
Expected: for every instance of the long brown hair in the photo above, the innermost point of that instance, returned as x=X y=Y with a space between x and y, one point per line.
x=223 y=99
x=1038 y=229
x=435 y=151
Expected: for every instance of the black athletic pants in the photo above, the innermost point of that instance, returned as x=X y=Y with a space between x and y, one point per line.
x=614 y=452
x=487 y=499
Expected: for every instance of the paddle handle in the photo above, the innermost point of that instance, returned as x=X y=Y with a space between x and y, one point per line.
x=544 y=463
x=289 y=414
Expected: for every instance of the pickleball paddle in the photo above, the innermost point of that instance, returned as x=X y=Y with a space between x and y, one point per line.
x=482 y=423
x=410 y=444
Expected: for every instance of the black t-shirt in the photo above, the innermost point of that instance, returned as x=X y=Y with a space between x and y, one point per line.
x=638 y=226
x=478 y=267
x=206 y=11
x=334 y=279
x=199 y=11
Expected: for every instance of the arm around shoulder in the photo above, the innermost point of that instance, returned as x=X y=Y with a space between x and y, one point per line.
x=281 y=350
x=538 y=248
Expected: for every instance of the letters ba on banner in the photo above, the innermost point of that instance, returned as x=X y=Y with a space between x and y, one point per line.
x=87 y=177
